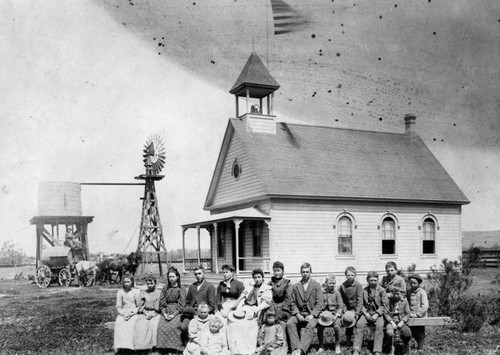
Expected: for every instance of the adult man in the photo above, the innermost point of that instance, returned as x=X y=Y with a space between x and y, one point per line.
x=306 y=305
x=201 y=291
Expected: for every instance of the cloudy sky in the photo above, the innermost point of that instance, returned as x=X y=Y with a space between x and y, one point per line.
x=85 y=83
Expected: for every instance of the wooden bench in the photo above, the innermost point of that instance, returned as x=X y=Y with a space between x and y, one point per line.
x=429 y=321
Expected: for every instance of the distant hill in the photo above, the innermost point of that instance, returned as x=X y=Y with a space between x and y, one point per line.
x=483 y=240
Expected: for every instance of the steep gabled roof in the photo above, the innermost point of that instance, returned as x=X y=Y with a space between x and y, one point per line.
x=256 y=77
x=333 y=163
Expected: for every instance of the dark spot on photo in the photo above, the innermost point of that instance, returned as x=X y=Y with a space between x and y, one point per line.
x=338 y=54
x=313 y=36
x=380 y=118
x=380 y=17
x=329 y=91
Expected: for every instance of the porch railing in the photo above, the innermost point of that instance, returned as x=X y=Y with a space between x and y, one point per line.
x=258 y=261
x=191 y=264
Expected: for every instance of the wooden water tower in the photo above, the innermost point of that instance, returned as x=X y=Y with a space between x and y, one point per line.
x=60 y=210
x=151 y=242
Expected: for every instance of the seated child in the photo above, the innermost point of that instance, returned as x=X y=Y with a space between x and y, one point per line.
x=270 y=340
x=396 y=318
x=352 y=296
x=214 y=342
x=331 y=316
x=419 y=304
x=200 y=323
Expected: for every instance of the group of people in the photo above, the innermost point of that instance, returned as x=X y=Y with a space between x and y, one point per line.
x=273 y=317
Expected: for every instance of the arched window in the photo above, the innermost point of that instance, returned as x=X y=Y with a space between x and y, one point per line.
x=345 y=235
x=388 y=236
x=429 y=236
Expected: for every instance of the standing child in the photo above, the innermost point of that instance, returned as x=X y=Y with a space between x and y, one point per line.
x=419 y=304
x=352 y=296
x=127 y=304
x=270 y=340
x=214 y=342
x=200 y=323
x=331 y=316
x=396 y=319
x=392 y=281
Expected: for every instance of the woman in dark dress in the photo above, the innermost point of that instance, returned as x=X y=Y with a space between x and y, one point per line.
x=172 y=303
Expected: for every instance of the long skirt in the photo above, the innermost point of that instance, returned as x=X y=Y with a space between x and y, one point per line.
x=124 y=333
x=242 y=336
x=169 y=334
x=146 y=332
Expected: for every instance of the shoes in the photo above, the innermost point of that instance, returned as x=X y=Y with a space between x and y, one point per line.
x=297 y=352
x=320 y=350
x=337 y=349
x=355 y=352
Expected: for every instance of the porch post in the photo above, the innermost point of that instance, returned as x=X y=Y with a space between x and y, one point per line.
x=248 y=97
x=184 y=229
x=237 y=223
x=271 y=245
x=199 y=245
x=216 y=248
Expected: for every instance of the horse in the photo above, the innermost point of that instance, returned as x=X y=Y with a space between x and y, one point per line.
x=119 y=264
x=83 y=268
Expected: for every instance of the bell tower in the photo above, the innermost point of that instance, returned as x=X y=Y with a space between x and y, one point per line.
x=257 y=86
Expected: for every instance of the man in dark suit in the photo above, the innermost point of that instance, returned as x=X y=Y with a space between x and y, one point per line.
x=306 y=305
x=201 y=291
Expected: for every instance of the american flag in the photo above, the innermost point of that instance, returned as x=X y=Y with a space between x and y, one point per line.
x=286 y=19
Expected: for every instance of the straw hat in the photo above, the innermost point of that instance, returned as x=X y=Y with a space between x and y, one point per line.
x=349 y=319
x=236 y=315
x=326 y=318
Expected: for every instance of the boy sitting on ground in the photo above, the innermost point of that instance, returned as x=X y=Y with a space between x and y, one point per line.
x=270 y=340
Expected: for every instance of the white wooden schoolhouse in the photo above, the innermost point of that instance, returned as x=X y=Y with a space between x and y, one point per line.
x=328 y=196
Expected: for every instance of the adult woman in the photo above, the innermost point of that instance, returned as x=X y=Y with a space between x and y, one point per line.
x=282 y=293
x=242 y=333
x=127 y=305
x=172 y=303
x=228 y=291
x=146 y=326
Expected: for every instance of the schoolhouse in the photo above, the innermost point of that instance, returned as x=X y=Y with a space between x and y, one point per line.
x=328 y=196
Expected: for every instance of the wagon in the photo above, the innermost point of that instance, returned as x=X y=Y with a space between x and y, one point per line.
x=58 y=264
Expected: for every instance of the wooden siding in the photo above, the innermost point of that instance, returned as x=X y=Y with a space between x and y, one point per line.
x=229 y=189
x=304 y=232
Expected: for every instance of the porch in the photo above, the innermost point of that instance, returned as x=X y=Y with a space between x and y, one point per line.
x=239 y=238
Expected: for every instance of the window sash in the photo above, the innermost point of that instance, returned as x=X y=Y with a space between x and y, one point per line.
x=388 y=229
x=429 y=230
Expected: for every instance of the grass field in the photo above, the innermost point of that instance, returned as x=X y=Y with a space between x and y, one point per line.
x=59 y=320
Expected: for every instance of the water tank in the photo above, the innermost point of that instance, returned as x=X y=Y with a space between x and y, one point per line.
x=59 y=198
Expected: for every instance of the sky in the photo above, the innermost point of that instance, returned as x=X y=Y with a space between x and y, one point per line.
x=85 y=83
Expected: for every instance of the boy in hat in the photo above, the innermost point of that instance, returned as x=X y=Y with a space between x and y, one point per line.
x=398 y=313
x=331 y=315
x=270 y=340
x=419 y=304
x=352 y=296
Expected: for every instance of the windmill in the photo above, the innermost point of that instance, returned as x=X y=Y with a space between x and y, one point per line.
x=151 y=232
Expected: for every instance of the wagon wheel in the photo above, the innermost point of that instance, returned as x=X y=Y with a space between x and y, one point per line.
x=88 y=278
x=65 y=277
x=43 y=276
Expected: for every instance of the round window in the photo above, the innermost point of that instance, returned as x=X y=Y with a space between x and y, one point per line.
x=236 y=169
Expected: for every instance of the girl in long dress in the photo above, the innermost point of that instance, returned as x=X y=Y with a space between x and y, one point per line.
x=146 y=326
x=172 y=303
x=127 y=305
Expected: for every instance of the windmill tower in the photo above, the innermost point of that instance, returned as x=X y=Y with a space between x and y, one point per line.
x=151 y=232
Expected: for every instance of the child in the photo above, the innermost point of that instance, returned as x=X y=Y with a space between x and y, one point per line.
x=374 y=306
x=396 y=319
x=146 y=327
x=352 y=296
x=392 y=281
x=270 y=340
x=200 y=323
x=419 y=304
x=331 y=315
x=214 y=342
x=127 y=304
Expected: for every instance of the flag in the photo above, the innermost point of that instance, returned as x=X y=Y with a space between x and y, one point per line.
x=286 y=19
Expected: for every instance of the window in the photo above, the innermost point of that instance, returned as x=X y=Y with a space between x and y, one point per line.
x=345 y=236
x=388 y=236
x=257 y=238
x=221 y=240
x=429 y=236
x=236 y=170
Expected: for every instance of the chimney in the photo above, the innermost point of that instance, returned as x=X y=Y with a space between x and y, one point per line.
x=410 y=123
